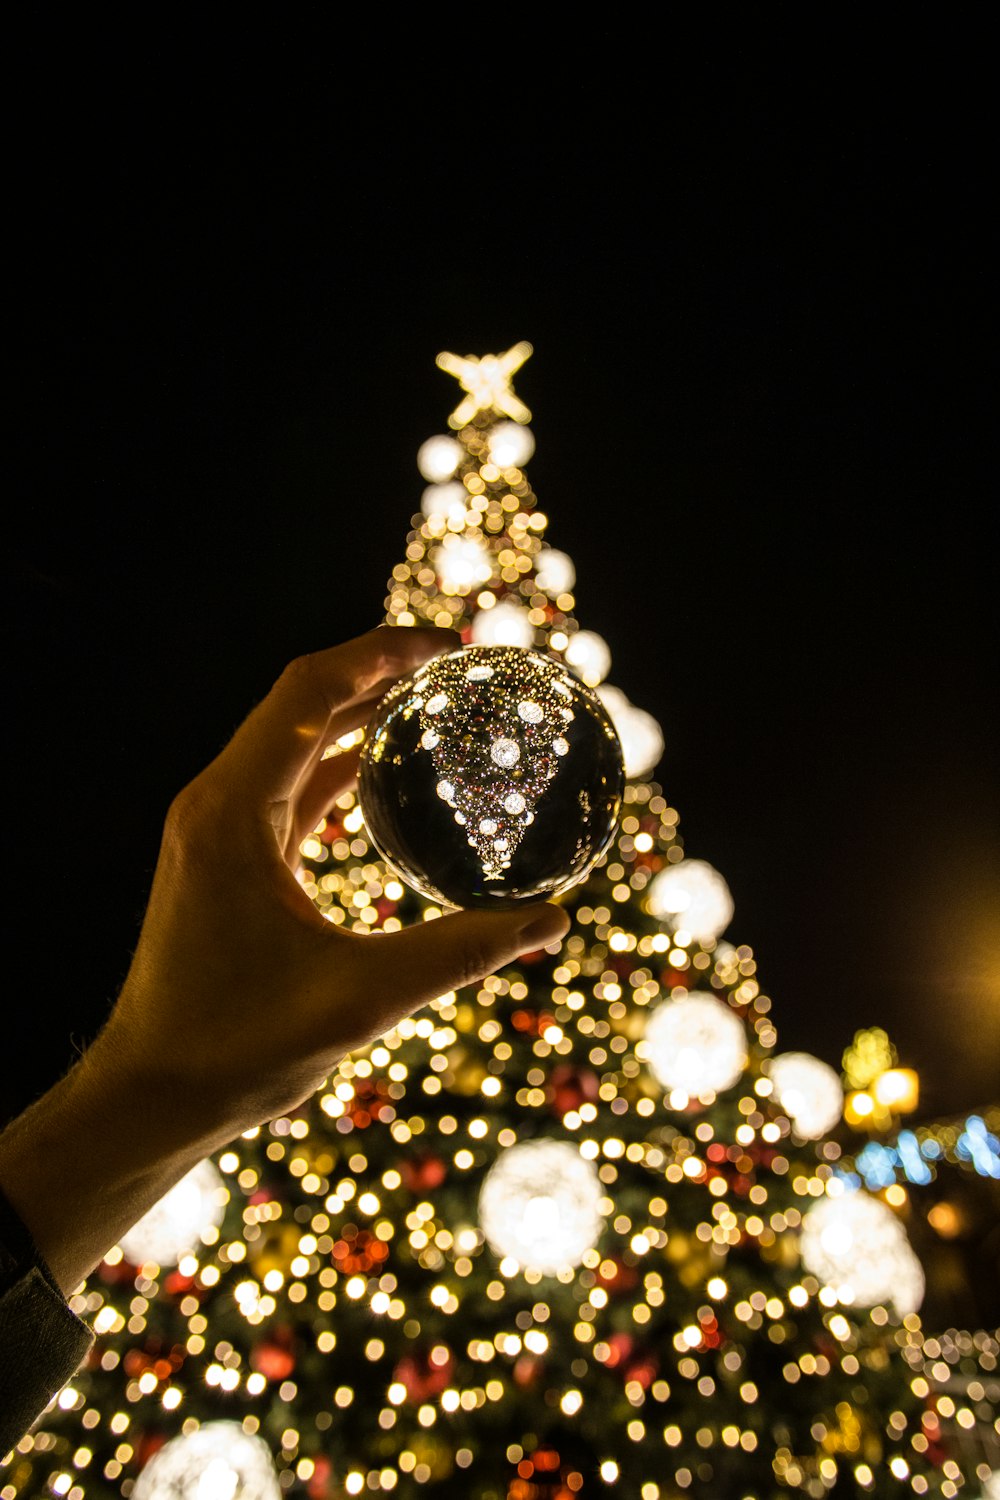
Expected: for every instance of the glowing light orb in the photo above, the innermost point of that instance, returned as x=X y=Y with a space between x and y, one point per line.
x=174 y=1226
x=691 y=896
x=640 y=734
x=491 y=776
x=696 y=1045
x=554 y=571
x=590 y=655
x=446 y=501
x=809 y=1091
x=439 y=457
x=218 y=1461
x=505 y=624
x=511 y=445
x=856 y=1245
x=462 y=563
x=539 y=1205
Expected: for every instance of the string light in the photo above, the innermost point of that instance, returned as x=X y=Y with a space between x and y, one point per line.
x=858 y=1247
x=505 y=625
x=696 y=1045
x=541 y=1205
x=352 y=1307
x=692 y=896
x=185 y=1217
x=438 y=458
x=554 y=571
x=809 y=1092
x=640 y=734
x=511 y=445
x=589 y=654
x=218 y=1461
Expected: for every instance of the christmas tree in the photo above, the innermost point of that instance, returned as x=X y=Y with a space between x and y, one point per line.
x=577 y=1230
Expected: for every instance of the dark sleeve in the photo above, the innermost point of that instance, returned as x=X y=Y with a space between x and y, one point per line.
x=41 y=1341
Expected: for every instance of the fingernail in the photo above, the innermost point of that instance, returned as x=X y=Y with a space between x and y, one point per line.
x=545 y=925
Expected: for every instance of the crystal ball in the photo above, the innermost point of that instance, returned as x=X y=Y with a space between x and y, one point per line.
x=491 y=776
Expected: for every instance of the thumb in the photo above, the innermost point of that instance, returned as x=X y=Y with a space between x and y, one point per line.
x=407 y=969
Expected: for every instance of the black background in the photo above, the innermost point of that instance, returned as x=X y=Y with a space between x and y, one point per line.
x=761 y=404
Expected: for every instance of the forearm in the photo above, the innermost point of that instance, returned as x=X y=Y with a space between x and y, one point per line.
x=86 y=1161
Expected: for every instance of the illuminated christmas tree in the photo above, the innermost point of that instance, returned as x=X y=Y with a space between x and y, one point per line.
x=573 y=1232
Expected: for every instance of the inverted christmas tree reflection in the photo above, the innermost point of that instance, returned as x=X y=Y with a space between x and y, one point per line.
x=491 y=776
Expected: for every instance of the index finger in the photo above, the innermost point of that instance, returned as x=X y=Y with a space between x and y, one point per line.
x=316 y=699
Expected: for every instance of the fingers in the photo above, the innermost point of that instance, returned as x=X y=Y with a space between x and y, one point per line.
x=327 y=781
x=316 y=699
x=401 y=971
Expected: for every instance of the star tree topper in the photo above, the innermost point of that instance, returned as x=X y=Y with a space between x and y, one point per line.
x=487 y=385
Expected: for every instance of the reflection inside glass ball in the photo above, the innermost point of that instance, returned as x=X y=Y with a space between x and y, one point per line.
x=491 y=776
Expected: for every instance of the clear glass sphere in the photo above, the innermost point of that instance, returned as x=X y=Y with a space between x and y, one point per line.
x=490 y=777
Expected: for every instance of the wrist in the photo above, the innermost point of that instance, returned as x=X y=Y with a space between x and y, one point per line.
x=88 y=1159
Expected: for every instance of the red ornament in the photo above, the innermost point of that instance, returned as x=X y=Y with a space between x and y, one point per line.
x=272 y=1361
x=425 y=1374
x=358 y=1251
x=569 y=1087
x=531 y=1022
x=320 y=1482
x=673 y=979
x=423 y=1173
x=117 y=1274
x=620 y=1277
x=642 y=1371
x=620 y=1346
x=526 y=1370
x=148 y=1444
x=176 y=1285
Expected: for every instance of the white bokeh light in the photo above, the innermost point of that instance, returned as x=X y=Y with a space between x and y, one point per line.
x=447 y=501
x=641 y=736
x=462 y=563
x=855 y=1244
x=505 y=624
x=540 y=1205
x=439 y=457
x=692 y=896
x=554 y=571
x=218 y=1461
x=589 y=655
x=174 y=1226
x=511 y=445
x=809 y=1091
x=696 y=1045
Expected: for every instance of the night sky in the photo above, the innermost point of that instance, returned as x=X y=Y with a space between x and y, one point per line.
x=760 y=397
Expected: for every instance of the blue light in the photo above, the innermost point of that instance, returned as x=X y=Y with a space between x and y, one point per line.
x=975 y=1144
x=913 y=1164
x=877 y=1165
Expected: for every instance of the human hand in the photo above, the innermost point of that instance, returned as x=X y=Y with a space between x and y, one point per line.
x=241 y=997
